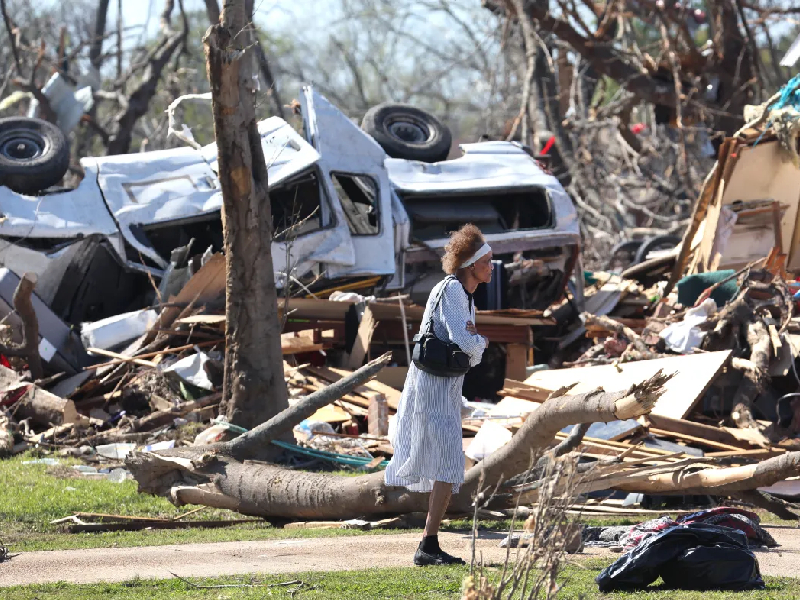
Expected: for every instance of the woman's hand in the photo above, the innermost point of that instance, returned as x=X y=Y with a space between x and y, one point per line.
x=474 y=331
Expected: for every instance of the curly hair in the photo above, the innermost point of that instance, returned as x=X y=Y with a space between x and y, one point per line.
x=462 y=245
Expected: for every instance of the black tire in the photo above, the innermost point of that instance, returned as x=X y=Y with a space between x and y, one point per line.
x=623 y=254
x=407 y=132
x=34 y=154
x=663 y=242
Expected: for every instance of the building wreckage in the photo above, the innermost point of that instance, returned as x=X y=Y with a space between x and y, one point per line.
x=369 y=206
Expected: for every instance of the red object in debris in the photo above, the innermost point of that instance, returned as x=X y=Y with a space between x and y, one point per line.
x=637 y=128
x=548 y=145
x=14 y=395
x=350 y=428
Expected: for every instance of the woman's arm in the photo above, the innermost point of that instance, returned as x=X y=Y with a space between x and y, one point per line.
x=455 y=314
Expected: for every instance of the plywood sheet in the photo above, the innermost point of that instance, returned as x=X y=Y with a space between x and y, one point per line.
x=761 y=173
x=694 y=374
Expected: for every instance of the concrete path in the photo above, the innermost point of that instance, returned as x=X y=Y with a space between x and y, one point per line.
x=291 y=556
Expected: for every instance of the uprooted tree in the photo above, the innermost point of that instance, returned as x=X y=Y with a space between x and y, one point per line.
x=254 y=389
x=224 y=476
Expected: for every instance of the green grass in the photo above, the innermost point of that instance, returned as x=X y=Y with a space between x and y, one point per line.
x=33 y=495
x=384 y=584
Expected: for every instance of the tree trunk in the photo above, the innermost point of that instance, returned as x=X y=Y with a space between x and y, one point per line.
x=6 y=434
x=759 y=342
x=29 y=347
x=270 y=491
x=254 y=389
x=96 y=47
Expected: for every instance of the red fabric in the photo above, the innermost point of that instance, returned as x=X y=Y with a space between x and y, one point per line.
x=549 y=145
x=14 y=395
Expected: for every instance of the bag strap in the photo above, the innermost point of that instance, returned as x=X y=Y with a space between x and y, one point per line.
x=429 y=328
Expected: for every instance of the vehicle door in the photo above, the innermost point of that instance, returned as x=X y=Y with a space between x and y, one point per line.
x=352 y=169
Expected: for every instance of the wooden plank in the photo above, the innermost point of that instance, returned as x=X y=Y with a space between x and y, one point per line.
x=363 y=340
x=378 y=416
x=202 y=320
x=297 y=345
x=392 y=395
x=694 y=374
x=708 y=433
x=394 y=377
x=693 y=440
x=207 y=285
x=518 y=389
x=516 y=361
x=121 y=357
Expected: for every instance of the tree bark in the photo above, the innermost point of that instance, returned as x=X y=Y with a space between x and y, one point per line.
x=96 y=47
x=29 y=347
x=254 y=389
x=759 y=342
x=40 y=406
x=6 y=434
x=212 y=10
x=266 y=490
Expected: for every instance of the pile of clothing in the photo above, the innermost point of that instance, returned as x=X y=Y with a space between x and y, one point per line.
x=708 y=549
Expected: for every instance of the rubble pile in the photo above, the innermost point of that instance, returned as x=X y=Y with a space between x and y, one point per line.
x=714 y=321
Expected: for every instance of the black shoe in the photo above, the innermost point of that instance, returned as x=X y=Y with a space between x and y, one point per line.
x=449 y=559
x=424 y=559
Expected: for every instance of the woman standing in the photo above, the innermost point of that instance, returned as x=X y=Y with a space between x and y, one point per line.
x=428 y=454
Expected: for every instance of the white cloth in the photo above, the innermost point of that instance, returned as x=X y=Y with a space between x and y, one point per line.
x=427 y=432
x=482 y=251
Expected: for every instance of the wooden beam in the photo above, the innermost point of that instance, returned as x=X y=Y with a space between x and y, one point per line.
x=363 y=339
x=516 y=361
x=708 y=433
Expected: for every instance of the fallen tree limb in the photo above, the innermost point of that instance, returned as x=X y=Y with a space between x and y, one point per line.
x=6 y=434
x=29 y=347
x=774 y=505
x=721 y=482
x=214 y=477
x=620 y=329
x=742 y=412
x=247 y=443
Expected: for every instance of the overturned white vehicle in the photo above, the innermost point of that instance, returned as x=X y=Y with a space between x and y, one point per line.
x=344 y=213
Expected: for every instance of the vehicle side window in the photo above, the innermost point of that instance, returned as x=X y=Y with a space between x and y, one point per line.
x=360 y=199
x=296 y=207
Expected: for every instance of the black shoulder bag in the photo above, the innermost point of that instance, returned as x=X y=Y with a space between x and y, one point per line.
x=437 y=357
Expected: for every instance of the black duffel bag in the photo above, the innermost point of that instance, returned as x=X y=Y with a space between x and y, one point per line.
x=438 y=357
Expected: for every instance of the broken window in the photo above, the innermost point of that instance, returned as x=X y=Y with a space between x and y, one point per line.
x=433 y=217
x=297 y=207
x=359 y=197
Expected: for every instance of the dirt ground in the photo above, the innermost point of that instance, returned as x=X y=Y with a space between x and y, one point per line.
x=289 y=556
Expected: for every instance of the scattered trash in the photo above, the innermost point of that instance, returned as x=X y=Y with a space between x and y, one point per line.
x=116 y=451
x=193 y=369
x=42 y=461
x=118 y=475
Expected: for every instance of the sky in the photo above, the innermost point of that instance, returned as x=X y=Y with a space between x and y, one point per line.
x=270 y=14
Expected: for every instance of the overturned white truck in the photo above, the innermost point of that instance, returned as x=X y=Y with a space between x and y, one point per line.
x=343 y=211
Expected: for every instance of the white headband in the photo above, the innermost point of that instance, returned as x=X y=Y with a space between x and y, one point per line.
x=483 y=251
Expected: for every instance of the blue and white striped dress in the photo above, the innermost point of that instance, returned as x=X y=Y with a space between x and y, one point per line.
x=427 y=437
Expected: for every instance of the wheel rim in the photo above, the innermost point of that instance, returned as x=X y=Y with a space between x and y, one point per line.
x=409 y=130
x=22 y=146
